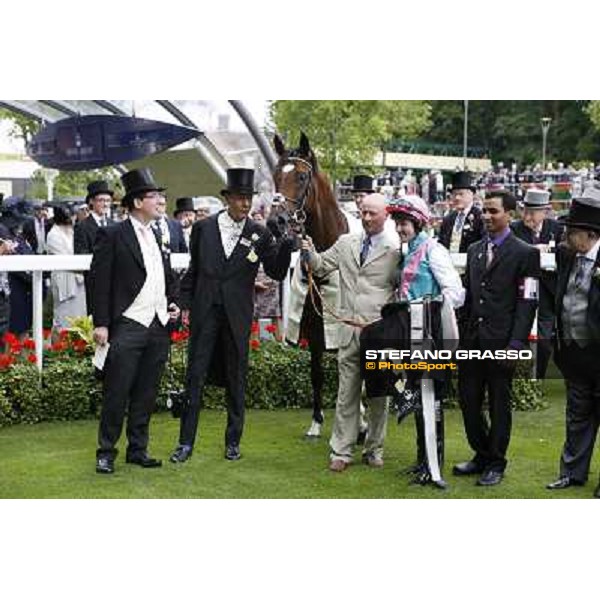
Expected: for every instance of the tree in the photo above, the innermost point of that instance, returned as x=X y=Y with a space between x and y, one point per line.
x=346 y=134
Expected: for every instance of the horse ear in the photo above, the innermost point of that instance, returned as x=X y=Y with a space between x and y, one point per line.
x=279 y=145
x=304 y=145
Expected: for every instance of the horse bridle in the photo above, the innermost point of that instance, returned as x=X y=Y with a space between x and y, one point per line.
x=298 y=216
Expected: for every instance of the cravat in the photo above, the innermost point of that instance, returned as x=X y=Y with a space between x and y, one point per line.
x=580 y=272
x=365 y=250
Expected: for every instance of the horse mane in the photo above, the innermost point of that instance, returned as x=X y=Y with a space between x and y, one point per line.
x=325 y=222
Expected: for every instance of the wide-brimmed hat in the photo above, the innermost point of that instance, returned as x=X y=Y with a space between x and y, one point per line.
x=462 y=180
x=98 y=187
x=584 y=212
x=240 y=181
x=138 y=181
x=536 y=199
x=362 y=184
x=184 y=205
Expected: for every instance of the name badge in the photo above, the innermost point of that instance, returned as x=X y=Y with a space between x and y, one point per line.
x=245 y=242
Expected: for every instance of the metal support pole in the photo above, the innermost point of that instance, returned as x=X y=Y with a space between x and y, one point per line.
x=38 y=316
x=465 y=134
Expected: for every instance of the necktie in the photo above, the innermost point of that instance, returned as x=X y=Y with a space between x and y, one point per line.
x=364 y=251
x=460 y=219
x=491 y=253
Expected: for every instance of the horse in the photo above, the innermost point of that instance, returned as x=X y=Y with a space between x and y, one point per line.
x=310 y=203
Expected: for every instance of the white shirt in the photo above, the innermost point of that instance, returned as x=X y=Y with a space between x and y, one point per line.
x=230 y=231
x=164 y=230
x=152 y=299
x=100 y=221
x=40 y=234
x=446 y=275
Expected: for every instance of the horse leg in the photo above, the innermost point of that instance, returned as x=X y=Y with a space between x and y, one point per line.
x=317 y=378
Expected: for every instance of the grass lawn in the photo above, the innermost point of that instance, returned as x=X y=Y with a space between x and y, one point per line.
x=56 y=460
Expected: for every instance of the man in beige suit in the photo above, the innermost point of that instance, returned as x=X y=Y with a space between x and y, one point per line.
x=367 y=264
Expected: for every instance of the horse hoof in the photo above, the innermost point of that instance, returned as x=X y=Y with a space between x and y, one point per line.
x=314 y=430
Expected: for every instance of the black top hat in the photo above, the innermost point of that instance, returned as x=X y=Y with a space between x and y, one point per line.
x=98 y=187
x=362 y=184
x=584 y=212
x=462 y=180
x=183 y=205
x=239 y=181
x=137 y=182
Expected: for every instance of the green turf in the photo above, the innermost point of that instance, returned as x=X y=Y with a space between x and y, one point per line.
x=56 y=460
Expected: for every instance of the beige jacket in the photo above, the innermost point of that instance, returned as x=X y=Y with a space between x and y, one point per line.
x=363 y=290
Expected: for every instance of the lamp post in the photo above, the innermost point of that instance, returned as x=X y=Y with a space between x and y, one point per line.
x=545 y=126
x=465 y=134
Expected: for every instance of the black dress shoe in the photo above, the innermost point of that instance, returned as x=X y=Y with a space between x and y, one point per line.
x=467 y=468
x=564 y=481
x=232 y=453
x=105 y=465
x=143 y=460
x=181 y=454
x=361 y=437
x=490 y=477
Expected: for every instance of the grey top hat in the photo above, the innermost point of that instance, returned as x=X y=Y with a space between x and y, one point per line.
x=535 y=198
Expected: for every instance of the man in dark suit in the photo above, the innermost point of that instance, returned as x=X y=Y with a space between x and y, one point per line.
x=170 y=231
x=99 y=197
x=463 y=225
x=578 y=335
x=36 y=230
x=225 y=252
x=134 y=295
x=537 y=229
x=501 y=298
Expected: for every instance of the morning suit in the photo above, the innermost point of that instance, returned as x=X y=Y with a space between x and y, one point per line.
x=498 y=313
x=364 y=289
x=576 y=353
x=138 y=351
x=472 y=230
x=219 y=292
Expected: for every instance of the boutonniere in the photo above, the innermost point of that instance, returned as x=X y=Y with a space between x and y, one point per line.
x=252 y=256
x=255 y=237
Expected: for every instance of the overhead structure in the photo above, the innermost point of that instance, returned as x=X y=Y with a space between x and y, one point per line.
x=228 y=134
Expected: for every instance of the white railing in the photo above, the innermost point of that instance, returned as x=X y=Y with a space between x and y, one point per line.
x=37 y=264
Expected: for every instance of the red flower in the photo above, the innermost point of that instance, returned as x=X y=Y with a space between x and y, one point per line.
x=63 y=334
x=175 y=336
x=16 y=347
x=303 y=343
x=5 y=361
x=29 y=344
x=271 y=328
x=47 y=333
x=255 y=327
x=185 y=334
x=10 y=338
x=59 y=346
x=31 y=358
x=254 y=344
x=79 y=345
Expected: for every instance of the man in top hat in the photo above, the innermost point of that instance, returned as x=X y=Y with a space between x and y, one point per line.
x=501 y=282
x=362 y=186
x=577 y=342
x=202 y=208
x=226 y=250
x=463 y=225
x=186 y=215
x=538 y=229
x=99 y=197
x=134 y=296
x=170 y=231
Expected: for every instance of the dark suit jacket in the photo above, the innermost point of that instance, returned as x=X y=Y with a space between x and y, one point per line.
x=495 y=311
x=84 y=235
x=117 y=273
x=473 y=229
x=29 y=232
x=565 y=260
x=177 y=243
x=212 y=278
x=552 y=230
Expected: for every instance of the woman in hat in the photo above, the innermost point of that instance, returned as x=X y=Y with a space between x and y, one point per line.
x=426 y=270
